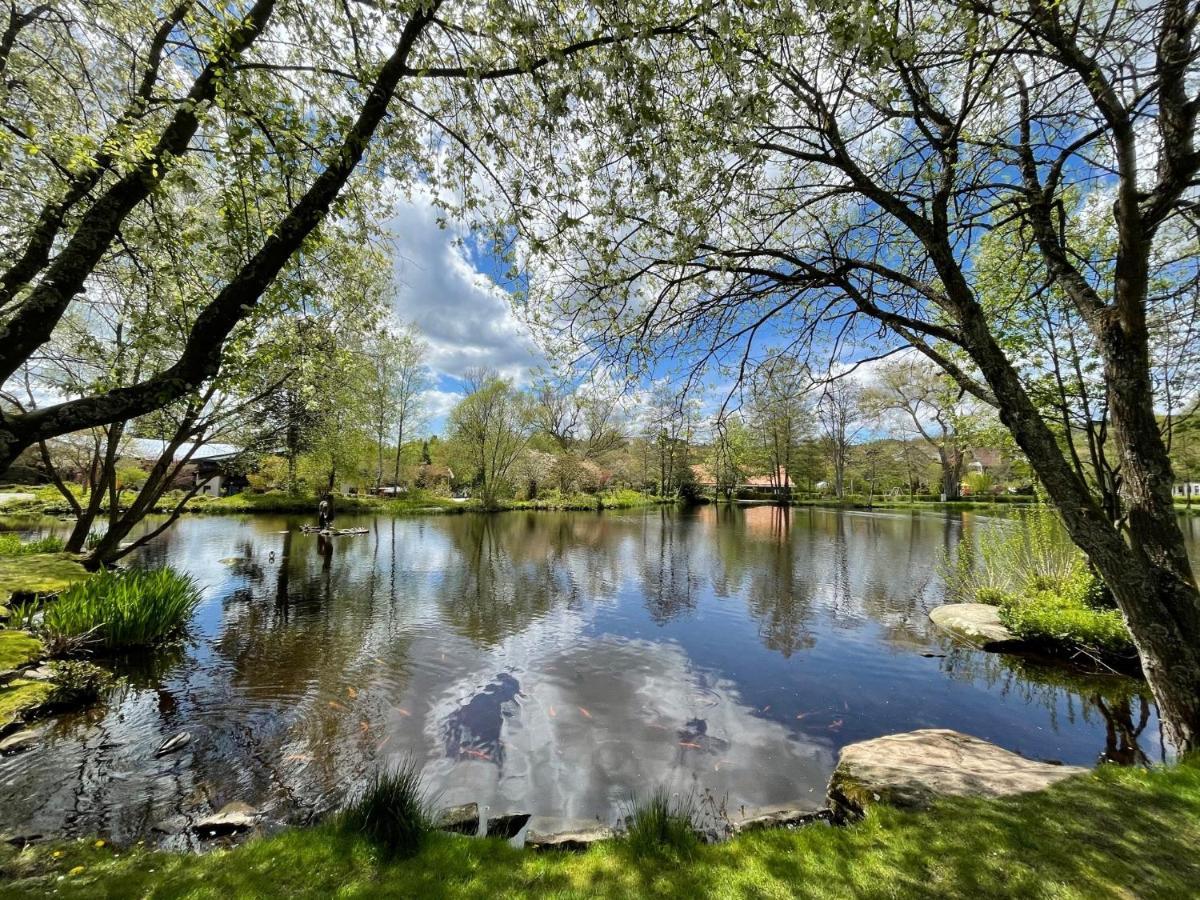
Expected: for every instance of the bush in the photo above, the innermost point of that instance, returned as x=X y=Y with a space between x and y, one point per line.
x=1045 y=590
x=11 y=545
x=993 y=596
x=120 y=609
x=77 y=682
x=1055 y=618
x=393 y=811
x=662 y=822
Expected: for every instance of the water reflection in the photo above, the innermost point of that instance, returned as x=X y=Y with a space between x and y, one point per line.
x=552 y=663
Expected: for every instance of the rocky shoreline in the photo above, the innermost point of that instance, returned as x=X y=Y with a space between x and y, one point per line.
x=910 y=770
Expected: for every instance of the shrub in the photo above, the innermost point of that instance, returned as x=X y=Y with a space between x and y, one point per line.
x=663 y=822
x=993 y=596
x=1052 y=617
x=77 y=682
x=393 y=811
x=120 y=609
x=11 y=545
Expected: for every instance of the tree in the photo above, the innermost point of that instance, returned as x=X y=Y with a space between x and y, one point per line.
x=932 y=408
x=398 y=380
x=411 y=381
x=780 y=418
x=491 y=424
x=839 y=411
x=731 y=454
x=269 y=107
x=823 y=171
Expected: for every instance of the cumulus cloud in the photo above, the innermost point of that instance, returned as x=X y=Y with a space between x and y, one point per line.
x=462 y=313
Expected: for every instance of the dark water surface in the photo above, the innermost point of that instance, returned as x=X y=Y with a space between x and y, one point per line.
x=552 y=663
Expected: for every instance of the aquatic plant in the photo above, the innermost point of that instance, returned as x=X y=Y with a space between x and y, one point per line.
x=118 y=609
x=1042 y=583
x=78 y=682
x=12 y=545
x=393 y=811
x=663 y=822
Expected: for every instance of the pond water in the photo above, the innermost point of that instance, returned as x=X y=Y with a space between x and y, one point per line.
x=553 y=663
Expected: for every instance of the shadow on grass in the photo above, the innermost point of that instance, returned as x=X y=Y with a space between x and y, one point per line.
x=1118 y=833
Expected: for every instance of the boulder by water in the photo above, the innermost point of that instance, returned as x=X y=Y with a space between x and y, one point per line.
x=913 y=769
x=230 y=819
x=507 y=825
x=547 y=833
x=462 y=819
x=978 y=623
x=22 y=740
x=789 y=815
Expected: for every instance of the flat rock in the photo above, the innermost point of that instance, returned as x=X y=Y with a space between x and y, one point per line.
x=783 y=816
x=229 y=819
x=21 y=699
x=22 y=740
x=979 y=623
x=507 y=825
x=34 y=574
x=913 y=769
x=546 y=833
x=462 y=819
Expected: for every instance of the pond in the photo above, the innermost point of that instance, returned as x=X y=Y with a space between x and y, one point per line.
x=553 y=663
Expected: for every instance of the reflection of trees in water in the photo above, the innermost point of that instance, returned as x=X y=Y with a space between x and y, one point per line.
x=1122 y=703
x=300 y=670
x=791 y=564
x=669 y=586
x=1121 y=733
x=781 y=589
x=505 y=575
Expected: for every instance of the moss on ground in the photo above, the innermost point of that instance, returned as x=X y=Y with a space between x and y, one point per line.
x=21 y=697
x=1116 y=833
x=38 y=573
x=17 y=649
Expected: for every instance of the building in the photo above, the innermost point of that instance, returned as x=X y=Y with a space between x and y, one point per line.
x=1182 y=490
x=208 y=465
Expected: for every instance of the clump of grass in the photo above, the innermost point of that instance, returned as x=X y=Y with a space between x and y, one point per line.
x=12 y=545
x=122 y=609
x=393 y=811
x=663 y=822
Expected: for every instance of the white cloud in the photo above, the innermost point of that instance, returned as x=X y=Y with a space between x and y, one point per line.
x=462 y=313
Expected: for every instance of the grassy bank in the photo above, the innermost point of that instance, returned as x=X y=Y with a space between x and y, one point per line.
x=610 y=500
x=879 y=503
x=281 y=502
x=1116 y=833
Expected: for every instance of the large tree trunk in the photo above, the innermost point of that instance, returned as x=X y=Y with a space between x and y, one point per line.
x=1150 y=575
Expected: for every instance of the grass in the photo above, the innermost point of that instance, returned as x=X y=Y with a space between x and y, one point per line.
x=663 y=824
x=1117 y=833
x=283 y=502
x=121 y=609
x=393 y=812
x=622 y=499
x=12 y=545
x=1046 y=593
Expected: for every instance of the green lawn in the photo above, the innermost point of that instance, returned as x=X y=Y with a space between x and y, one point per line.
x=1117 y=833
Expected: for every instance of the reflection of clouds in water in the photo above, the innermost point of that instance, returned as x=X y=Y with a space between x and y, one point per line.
x=600 y=722
x=473 y=731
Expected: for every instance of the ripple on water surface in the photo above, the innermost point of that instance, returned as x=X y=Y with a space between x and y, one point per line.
x=550 y=663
